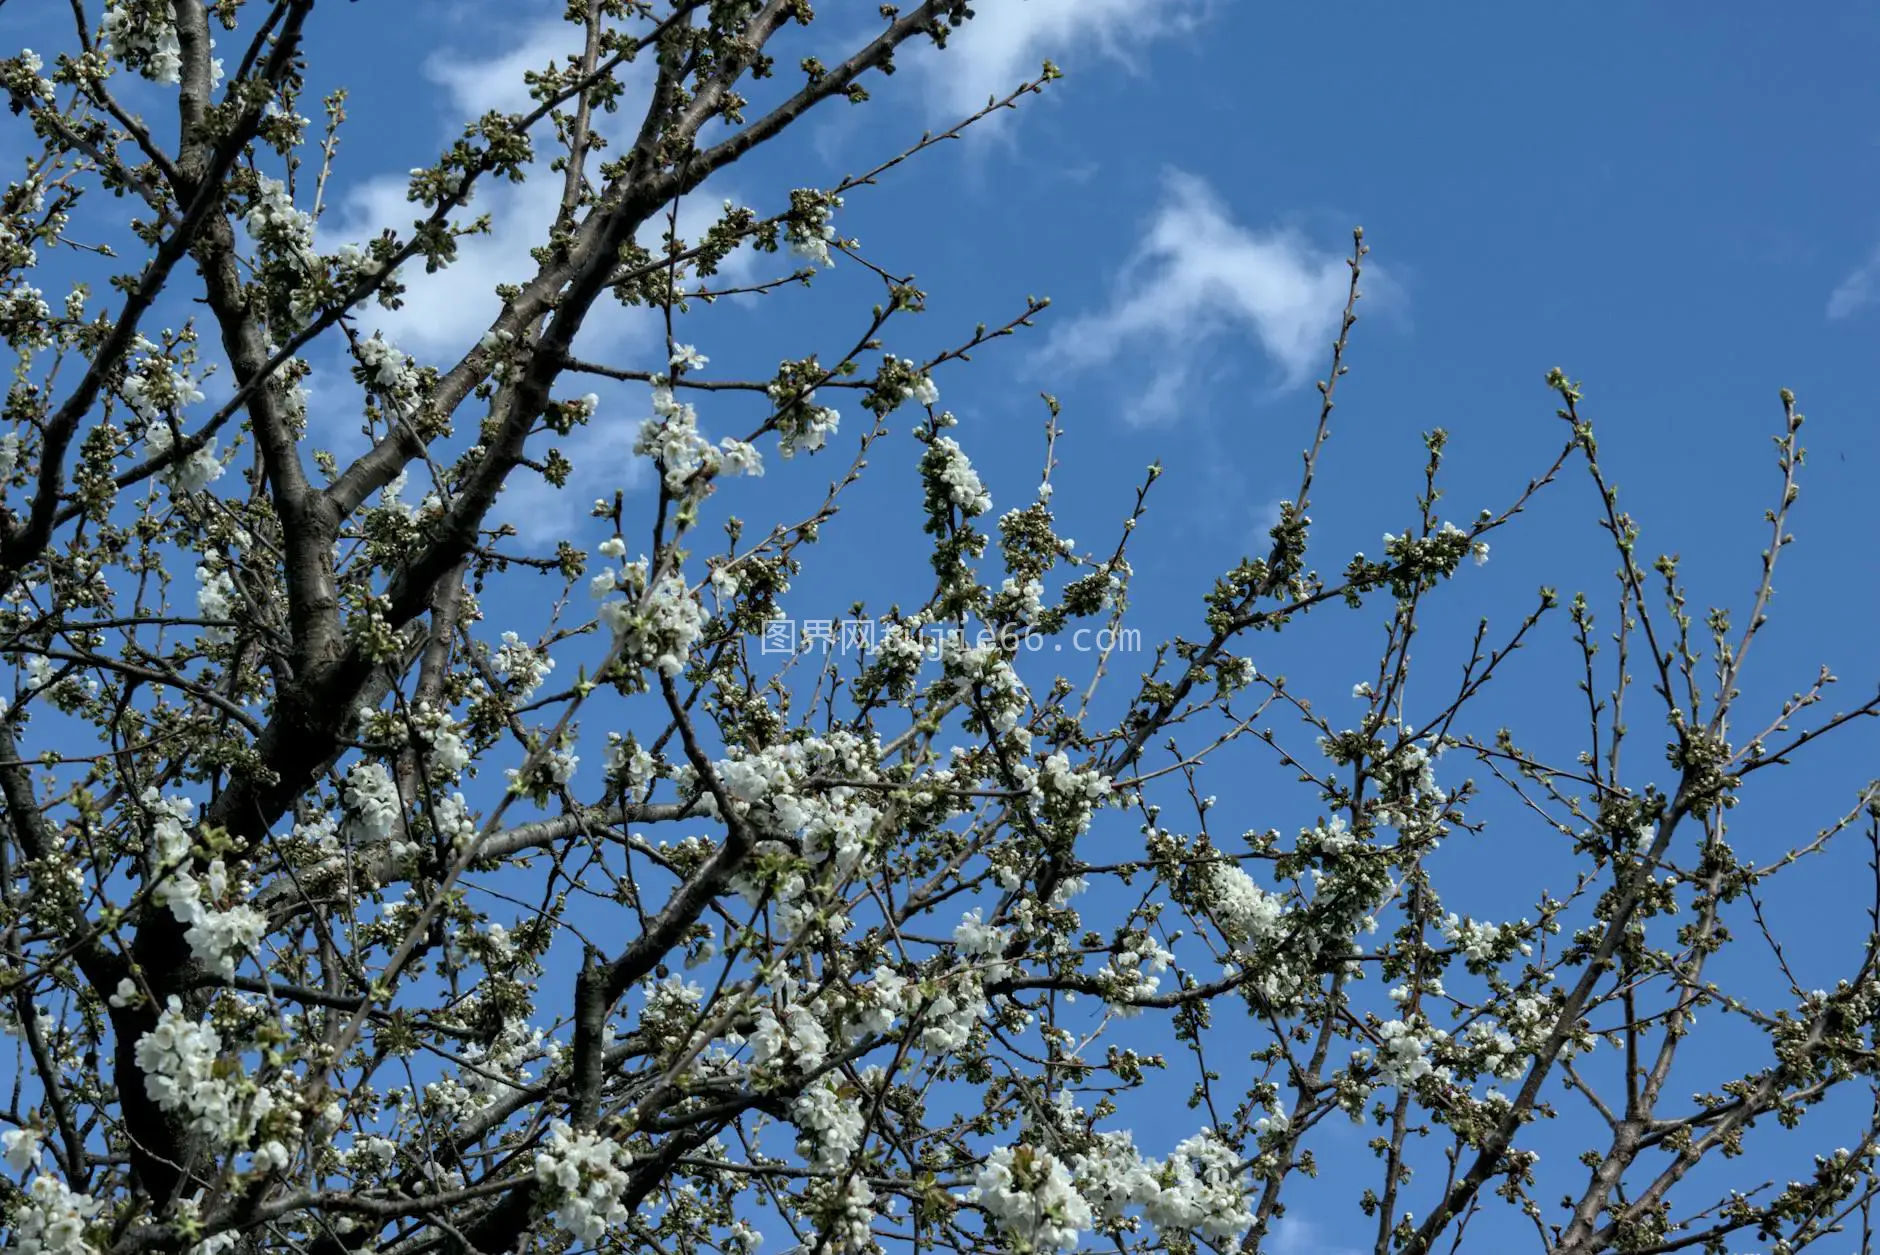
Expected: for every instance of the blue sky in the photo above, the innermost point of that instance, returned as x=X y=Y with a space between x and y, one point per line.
x=1680 y=211
x=1680 y=214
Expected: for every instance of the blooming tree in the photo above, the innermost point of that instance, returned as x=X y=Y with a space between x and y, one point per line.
x=321 y=935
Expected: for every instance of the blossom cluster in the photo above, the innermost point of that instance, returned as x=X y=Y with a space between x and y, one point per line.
x=384 y=367
x=1483 y=943
x=54 y=1219
x=656 y=619
x=25 y=318
x=831 y=1122
x=1045 y=1201
x=791 y=1034
x=831 y=823
x=951 y=479
x=157 y=388
x=373 y=807
x=810 y=230
x=629 y=763
x=522 y=665
x=1072 y=796
x=142 y=34
x=279 y=227
x=217 y=935
x=1404 y=1049
x=1200 y=1188
x=216 y=598
x=671 y=437
x=982 y=675
x=179 y=1059
x=1028 y=1193
x=1246 y=914
x=803 y=423
x=586 y=1177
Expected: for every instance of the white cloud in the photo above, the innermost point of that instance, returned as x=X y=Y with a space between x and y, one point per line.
x=1858 y=290
x=475 y=86
x=1006 y=43
x=1198 y=275
x=445 y=313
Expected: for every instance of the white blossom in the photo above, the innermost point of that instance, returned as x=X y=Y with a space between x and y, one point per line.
x=672 y=437
x=586 y=1178
x=386 y=368
x=832 y=1125
x=1246 y=913
x=21 y=1148
x=179 y=1061
x=522 y=665
x=216 y=598
x=657 y=625
x=741 y=458
x=373 y=807
x=54 y=1219
x=953 y=478
x=791 y=1035
x=811 y=236
x=1029 y=1195
x=1201 y=1189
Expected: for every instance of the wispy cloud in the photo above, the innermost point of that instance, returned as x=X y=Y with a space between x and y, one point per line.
x=1293 y=1235
x=1265 y=519
x=1006 y=43
x=444 y=314
x=1858 y=290
x=1198 y=276
x=603 y=463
